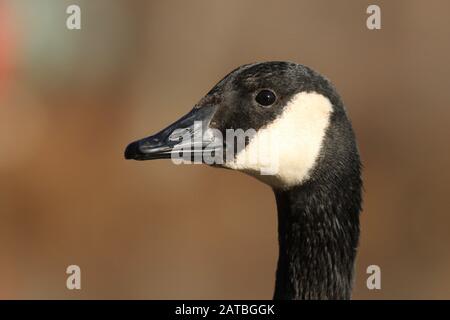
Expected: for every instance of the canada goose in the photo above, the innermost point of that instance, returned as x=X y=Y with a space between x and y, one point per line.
x=317 y=184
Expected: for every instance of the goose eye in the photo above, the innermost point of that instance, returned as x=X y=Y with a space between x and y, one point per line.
x=265 y=97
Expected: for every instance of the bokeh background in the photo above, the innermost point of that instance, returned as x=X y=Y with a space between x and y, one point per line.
x=70 y=101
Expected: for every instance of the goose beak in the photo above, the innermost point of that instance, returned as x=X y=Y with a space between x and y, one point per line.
x=190 y=133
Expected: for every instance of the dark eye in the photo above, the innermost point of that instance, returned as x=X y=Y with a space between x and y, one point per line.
x=265 y=97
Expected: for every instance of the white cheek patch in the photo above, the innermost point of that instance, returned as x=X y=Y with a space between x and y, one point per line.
x=283 y=153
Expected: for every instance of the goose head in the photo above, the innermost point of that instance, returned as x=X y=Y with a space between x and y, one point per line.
x=269 y=120
x=284 y=124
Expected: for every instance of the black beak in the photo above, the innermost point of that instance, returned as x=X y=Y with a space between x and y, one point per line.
x=189 y=134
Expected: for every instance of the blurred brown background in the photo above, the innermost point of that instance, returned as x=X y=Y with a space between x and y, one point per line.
x=70 y=101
